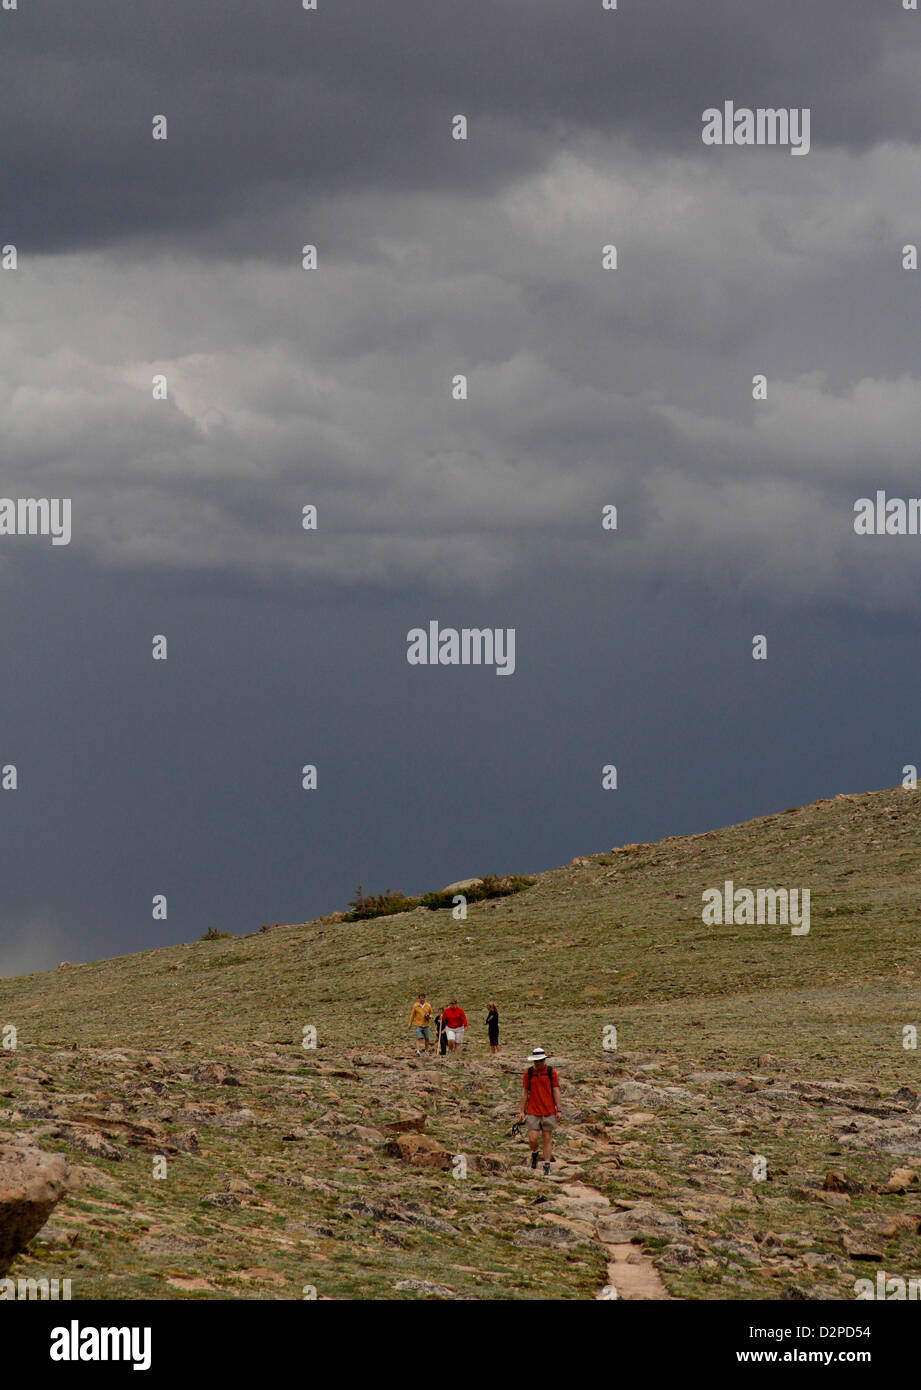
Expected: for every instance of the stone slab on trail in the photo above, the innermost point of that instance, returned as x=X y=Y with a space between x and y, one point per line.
x=641 y=1219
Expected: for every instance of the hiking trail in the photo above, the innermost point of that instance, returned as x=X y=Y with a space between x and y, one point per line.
x=586 y=1211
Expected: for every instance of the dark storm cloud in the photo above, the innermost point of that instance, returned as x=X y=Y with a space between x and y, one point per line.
x=586 y=387
x=266 y=101
x=332 y=387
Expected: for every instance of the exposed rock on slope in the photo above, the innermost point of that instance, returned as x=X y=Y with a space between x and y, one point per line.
x=31 y=1183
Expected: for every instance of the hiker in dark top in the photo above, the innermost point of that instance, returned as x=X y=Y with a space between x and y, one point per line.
x=492 y=1025
x=441 y=1034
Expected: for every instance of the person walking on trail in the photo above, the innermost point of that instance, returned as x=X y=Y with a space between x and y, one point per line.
x=421 y=1019
x=540 y=1106
x=454 y=1021
x=492 y=1027
x=441 y=1032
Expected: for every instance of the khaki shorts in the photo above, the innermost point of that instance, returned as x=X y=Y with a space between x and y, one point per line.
x=540 y=1122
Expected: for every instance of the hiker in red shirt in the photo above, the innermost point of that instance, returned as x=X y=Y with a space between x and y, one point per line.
x=454 y=1021
x=540 y=1106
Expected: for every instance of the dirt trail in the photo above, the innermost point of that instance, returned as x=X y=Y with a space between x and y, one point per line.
x=631 y=1274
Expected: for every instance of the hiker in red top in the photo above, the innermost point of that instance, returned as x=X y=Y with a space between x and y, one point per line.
x=540 y=1106
x=454 y=1021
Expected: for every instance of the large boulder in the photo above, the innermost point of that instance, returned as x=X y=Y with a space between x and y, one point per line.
x=900 y=1179
x=418 y=1150
x=31 y=1183
x=462 y=885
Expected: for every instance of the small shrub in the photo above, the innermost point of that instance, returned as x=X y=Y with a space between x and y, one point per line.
x=212 y=934
x=377 y=905
x=385 y=904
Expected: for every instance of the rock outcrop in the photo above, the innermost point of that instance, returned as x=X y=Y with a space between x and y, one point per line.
x=31 y=1184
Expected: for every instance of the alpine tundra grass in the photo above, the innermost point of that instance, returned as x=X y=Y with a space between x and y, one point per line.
x=744 y=1131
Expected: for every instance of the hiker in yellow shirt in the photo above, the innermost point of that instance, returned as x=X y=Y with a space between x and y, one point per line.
x=421 y=1020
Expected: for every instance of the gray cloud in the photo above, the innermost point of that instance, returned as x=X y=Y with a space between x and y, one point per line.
x=266 y=100
x=586 y=387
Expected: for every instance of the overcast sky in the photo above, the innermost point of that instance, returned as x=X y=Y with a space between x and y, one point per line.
x=332 y=387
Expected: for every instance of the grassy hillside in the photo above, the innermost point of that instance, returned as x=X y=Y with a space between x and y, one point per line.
x=733 y=1041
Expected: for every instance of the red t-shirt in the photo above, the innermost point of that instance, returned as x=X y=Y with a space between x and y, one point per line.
x=540 y=1096
x=454 y=1018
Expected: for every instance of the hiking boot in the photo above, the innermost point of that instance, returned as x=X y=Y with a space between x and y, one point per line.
x=546 y=1170
x=533 y=1162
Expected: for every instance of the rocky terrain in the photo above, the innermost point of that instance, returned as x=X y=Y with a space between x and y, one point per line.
x=755 y=1133
x=342 y=1173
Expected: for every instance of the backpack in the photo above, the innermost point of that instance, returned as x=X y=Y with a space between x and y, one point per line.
x=551 y=1072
